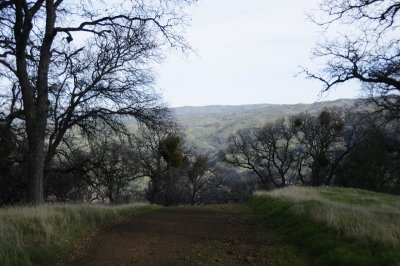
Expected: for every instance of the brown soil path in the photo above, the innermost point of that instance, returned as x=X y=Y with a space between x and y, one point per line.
x=218 y=235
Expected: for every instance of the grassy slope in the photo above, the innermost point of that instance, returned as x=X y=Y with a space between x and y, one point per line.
x=335 y=226
x=44 y=235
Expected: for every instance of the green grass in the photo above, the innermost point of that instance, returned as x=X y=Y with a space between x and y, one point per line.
x=221 y=250
x=47 y=234
x=335 y=226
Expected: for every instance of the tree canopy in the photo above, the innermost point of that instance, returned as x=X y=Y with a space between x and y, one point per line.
x=367 y=50
x=72 y=64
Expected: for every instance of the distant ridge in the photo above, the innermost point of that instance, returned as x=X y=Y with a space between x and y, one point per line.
x=210 y=109
x=208 y=127
x=215 y=109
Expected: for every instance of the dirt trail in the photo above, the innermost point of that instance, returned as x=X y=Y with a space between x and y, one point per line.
x=219 y=235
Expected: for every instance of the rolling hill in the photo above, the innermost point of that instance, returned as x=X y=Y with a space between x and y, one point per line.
x=207 y=127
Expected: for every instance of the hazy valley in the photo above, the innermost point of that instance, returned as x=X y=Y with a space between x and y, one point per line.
x=207 y=127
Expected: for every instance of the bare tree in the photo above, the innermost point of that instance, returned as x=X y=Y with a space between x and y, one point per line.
x=197 y=175
x=367 y=51
x=267 y=151
x=151 y=163
x=243 y=151
x=113 y=165
x=320 y=149
x=162 y=157
x=319 y=138
x=54 y=77
x=277 y=143
x=373 y=159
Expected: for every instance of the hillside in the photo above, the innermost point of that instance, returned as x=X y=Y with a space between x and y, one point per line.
x=208 y=127
x=335 y=226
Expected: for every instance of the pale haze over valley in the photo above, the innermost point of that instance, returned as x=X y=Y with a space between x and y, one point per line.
x=247 y=52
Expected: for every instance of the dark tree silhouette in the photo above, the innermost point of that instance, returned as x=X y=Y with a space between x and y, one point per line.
x=162 y=158
x=268 y=152
x=57 y=81
x=243 y=152
x=367 y=51
x=319 y=139
x=197 y=177
x=113 y=165
x=276 y=142
x=373 y=158
x=371 y=165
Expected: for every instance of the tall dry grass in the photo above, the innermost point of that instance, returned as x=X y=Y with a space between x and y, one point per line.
x=353 y=212
x=46 y=234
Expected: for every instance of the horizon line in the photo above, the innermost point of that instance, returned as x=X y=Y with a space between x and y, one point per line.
x=248 y=104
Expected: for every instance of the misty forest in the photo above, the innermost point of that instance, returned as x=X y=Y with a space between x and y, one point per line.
x=92 y=155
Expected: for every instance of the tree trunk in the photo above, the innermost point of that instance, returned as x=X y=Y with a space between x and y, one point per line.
x=153 y=190
x=193 y=198
x=315 y=175
x=36 y=122
x=36 y=109
x=34 y=170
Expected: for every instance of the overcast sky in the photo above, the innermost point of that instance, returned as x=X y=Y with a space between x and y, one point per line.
x=248 y=51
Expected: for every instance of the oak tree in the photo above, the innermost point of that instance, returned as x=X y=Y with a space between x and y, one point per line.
x=366 y=51
x=68 y=64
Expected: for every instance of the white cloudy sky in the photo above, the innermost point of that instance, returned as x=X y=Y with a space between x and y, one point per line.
x=248 y=51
